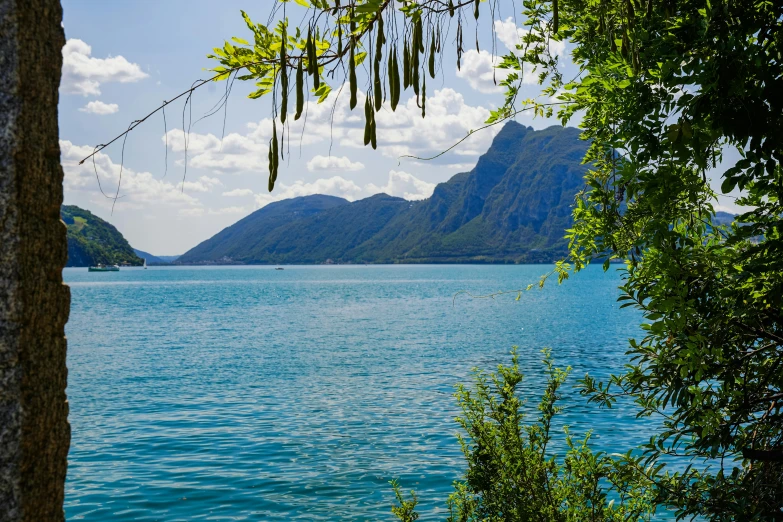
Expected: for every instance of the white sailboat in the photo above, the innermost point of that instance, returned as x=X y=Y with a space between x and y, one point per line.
x=145 y=263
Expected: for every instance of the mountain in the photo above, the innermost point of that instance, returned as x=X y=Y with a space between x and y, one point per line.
x=93 y=241
x=168 y=259
x=512 y=207
x=723 y=218
x=238 y=242
x=154 y=260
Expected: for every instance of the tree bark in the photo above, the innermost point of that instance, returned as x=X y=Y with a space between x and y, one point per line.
x=34 y=302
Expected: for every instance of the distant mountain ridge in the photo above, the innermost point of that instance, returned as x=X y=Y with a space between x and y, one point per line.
x=168 y=259
x=93 y=241
x=513 y=207
x=154 y=260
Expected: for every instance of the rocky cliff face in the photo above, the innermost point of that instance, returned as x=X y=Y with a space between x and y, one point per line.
x=514 y=206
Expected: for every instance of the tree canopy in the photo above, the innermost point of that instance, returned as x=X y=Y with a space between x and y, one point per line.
x=665 y=88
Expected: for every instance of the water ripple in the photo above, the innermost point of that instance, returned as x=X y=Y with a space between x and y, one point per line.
x=245 y=393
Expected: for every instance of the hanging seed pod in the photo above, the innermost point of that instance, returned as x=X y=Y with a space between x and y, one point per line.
x=379 y=40
x=415 y=71
x=459 y=46
x=415 y=58
x=371 y=60
x=283 y=77
x=275 y=147
x=316 y=71
x=367 y=119
x=390 y=73
x=312 y=60
x=451 y=8
x=424 y=98
x=373 y=135
x=352 y=74
x=339 y=37
x=271 y=182
x=308 y=46
x=419 y=36
x=476 y=9
x=395 y=79
x=377 y=87
x=414 y=39
x=555 y=17
x=284 y=95
x=273 y=158
x=432 y=57
x=311 y=57
x=299 y=90
x=406 y=66
x=282 y=145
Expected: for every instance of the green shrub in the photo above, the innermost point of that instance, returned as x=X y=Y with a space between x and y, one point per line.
x=512 y=473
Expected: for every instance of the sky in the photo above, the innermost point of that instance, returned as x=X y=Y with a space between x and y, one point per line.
x=122 y=59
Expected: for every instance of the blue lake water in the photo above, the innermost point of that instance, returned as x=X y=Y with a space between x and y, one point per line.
x=246 y=393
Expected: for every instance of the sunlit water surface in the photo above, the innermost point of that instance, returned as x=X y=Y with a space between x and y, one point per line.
x=248 y=393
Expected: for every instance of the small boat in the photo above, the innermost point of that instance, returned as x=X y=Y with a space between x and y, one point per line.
x=279 y=268
x=145 y=263
x=104 y=268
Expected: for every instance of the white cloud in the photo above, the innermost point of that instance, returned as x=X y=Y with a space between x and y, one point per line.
x=229 y=210
x=399 y=184
x=334 y=186
x=462 y=167
x=404 y=185
x=191 y=212
x=200 y=211
x=511 y=36
x=98 y=107
x=238 y=193
x=138 y=189
x=478 y=69
x=402 y=132
x=333 y=163
x=448 y=120
x=83 y=74
x=239 y=153
x=203 y=184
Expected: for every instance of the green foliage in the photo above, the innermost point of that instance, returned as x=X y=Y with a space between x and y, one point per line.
x=93 y=241
x=331 y=46
x=663 y=89
x=665 y=92
x=512 y=472
x=406 y=509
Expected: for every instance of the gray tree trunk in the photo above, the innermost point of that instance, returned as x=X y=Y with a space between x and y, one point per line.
x=34 y=302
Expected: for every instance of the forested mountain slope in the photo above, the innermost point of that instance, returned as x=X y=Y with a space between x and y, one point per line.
x=93 y=241
x=512 y=207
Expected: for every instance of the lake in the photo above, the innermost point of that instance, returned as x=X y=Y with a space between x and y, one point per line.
x=248 y=393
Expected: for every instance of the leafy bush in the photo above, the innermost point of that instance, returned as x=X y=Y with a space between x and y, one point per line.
x=512 y=472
